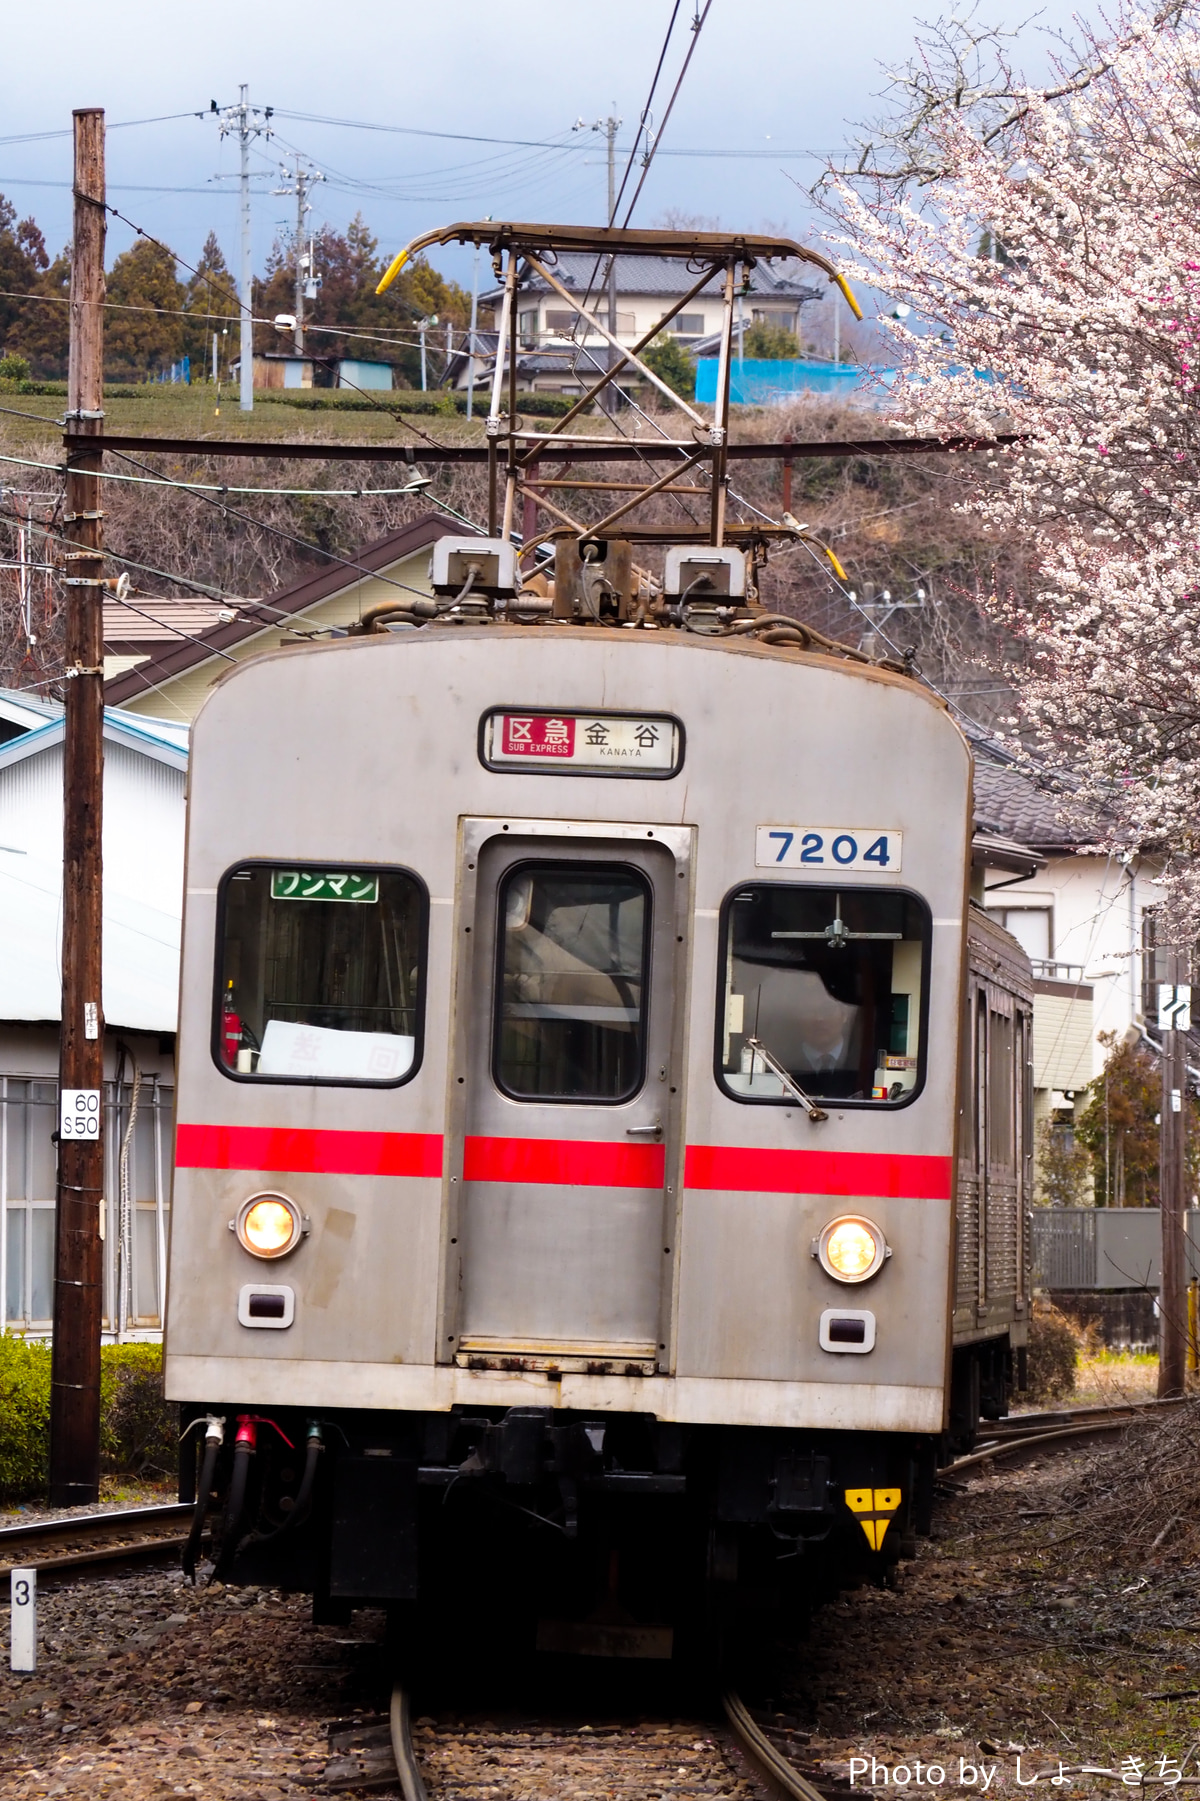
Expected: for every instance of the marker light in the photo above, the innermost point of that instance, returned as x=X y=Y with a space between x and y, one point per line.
x=851 y=1249
x=269 y=1225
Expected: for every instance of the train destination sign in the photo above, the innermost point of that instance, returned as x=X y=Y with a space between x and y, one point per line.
x=867 y=847
x=320 y=885
x=631 y=744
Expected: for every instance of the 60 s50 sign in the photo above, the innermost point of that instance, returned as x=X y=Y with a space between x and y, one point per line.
x=828 y=847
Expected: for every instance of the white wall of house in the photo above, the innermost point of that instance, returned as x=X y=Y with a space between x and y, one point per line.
x=547 y=319
x=143 y=876
x=1080 y=919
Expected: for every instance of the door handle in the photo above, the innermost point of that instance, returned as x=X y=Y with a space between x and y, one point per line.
x=654 y=1130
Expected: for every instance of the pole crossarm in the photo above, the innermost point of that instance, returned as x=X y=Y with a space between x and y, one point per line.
x=597 y=240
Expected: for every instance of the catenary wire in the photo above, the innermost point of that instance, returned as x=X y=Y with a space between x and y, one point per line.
x=697 y=28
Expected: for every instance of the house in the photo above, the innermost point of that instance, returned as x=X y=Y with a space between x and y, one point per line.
x=165 y=663
x=1086 y=920
x=289 y=369
x=145 y=763
x=646 y=287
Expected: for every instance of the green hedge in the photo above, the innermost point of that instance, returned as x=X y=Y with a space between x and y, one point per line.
x=336 y=400
x=137 y=1427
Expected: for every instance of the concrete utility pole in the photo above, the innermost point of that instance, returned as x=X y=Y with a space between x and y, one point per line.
x=471 y=341
x=610 y=128
x=245 y=122
x=299 y=184
x=78 y=1267
x=1174 y=1019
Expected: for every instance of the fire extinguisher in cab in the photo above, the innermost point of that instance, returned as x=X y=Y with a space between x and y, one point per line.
x=231 y=1030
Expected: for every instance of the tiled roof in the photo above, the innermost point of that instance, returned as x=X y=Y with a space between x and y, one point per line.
x=659 y=275
x=1010 y=804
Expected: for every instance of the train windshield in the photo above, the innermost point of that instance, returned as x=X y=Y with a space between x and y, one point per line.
x=319 y=974
x=829 y=984
x=572 y=983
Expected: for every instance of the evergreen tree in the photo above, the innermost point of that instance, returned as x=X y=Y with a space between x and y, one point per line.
x=672 y=364
x=350 y=268
x=41 y=330
x=143 y=340
x=211 y=301
x=771 y=343
x=22 y=260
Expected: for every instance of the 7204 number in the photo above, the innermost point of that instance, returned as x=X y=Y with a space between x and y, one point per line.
x=827 y=847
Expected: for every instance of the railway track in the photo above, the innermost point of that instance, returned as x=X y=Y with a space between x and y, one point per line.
x=1026 y=1433
x=94 y=1540
x=372 y=1756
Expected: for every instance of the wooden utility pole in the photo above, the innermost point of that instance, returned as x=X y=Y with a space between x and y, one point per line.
x=1174 y=1013
x=78 y=1268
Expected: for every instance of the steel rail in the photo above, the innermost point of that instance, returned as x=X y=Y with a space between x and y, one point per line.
x=33 y=1545
x=772 y=1763
x=1104 y=1419
x=595 y=450
x=1019 y=1425
x=412 y=1786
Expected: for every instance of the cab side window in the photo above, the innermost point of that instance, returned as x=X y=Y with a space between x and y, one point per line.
x=320 y=974
x=828 y=984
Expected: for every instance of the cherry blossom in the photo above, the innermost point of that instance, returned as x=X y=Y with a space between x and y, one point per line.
x=1081 y=332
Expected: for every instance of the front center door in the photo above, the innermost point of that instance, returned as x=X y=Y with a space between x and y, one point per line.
x=568 y=1116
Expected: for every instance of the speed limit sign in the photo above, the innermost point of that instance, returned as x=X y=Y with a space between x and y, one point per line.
x=79 y=1113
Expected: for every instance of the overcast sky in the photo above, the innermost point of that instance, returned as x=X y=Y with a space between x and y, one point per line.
x=773 y=84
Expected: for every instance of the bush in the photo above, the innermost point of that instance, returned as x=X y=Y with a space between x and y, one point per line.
x=138 y=1429
x=24 y=1416
x=1053 y=1355
x=13 y=368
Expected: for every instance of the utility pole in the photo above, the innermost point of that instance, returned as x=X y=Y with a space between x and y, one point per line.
x=306 y=281
x=245 y=122
x=471 y=343
x=78 y=1268
x=1174 y=1019
x=610 y=128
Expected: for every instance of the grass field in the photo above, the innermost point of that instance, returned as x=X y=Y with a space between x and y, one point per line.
x=192 y=412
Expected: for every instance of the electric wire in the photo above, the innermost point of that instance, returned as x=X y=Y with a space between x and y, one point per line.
x=697 y=28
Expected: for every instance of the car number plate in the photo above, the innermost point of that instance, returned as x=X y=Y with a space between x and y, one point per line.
x=829 y=847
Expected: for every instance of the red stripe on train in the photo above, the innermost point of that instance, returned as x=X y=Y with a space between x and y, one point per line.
x=573 y=1162
x=309 y=1152
x=570 y=1162
x=849 y=1173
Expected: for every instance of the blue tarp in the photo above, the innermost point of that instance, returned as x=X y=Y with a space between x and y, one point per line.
x=759 y=382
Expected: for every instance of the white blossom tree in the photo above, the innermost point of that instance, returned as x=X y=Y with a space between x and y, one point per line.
x=1048 y=242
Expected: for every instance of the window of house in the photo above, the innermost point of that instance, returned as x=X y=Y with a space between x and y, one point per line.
x=574 y=943
x=527 y=328
x=831 y=985
x=320 y=974
x=690 y=324
x=1030 y=926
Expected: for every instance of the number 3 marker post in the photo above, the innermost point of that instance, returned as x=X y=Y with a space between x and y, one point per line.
x=23 y=1644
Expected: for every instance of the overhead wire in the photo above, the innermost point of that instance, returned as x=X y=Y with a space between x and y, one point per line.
x=697 y=28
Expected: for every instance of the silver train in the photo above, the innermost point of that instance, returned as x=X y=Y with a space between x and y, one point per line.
x=604 y=1119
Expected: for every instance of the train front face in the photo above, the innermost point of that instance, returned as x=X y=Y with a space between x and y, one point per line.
x=566 y=1114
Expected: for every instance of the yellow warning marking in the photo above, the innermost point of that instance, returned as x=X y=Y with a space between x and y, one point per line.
x=874 y=1508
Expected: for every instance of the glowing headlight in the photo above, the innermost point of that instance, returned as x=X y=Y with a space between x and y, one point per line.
x=269 y=1225
x=851 y=1249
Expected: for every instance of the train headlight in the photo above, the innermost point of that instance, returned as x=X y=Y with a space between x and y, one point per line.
x=851 y=1249
x=269 y=1225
